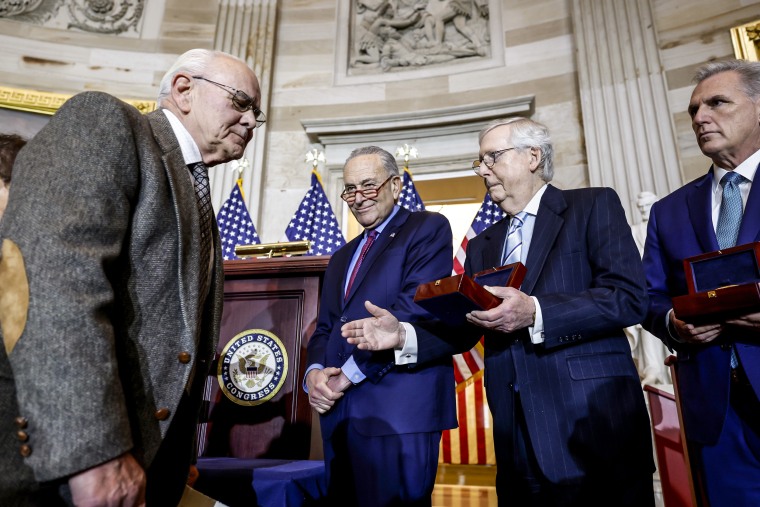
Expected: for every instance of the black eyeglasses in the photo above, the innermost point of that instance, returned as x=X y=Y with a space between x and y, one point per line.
x=241 y=101
x=489 y=159
x=349 y=195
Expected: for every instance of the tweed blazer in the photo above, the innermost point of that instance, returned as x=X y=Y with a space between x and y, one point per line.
x=104 y=223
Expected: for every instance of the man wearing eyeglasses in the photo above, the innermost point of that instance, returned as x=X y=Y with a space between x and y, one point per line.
x=570 y=424
x=111 y=289
x=381 y=420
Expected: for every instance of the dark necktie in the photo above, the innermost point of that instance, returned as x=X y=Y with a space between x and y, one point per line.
x=203 y=194
x=367 y=244
x=729 y=221
x=513 y=246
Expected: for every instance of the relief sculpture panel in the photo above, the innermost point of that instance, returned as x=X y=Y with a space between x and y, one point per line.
x=397 y=35
x=117 y=17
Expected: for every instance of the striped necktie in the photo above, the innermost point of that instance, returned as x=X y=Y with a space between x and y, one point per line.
x=203 y=194
x=513 y=245
x=729 y=221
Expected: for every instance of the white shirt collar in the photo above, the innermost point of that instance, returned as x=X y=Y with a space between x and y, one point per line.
x=190 y=151
x=746 y=169
x=532 y=207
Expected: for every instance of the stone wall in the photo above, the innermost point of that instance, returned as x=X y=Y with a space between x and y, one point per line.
x=532 y=54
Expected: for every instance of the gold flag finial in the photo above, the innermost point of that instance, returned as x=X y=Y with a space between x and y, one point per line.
x=239 y=166
x=407 y=152
x=315 y=156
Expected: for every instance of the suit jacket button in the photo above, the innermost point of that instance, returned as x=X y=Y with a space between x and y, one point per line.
x=25 y=450
x=23 y=436
x=21 y=422
x=184 y=357
x=344 y=319
x=162 y=414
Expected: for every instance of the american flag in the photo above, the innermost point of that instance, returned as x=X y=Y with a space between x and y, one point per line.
x=472 y=442
x=235 y=225
x=316 y=222
x=409 y=198
x=469 y=363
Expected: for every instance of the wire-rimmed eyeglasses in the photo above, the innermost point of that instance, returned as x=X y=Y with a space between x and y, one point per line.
x=489 y=159
x=241 y=101
x=349 y=194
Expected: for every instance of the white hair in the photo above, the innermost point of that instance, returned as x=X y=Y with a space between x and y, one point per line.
x=194 y=62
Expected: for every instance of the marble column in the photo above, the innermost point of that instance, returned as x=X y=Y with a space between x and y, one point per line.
x=246 y=28
x=630 y=137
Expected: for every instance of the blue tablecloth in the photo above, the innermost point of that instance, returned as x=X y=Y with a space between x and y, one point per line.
x=262 y=482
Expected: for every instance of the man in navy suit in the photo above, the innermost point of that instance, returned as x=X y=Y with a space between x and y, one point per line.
x=718 y=361
x=570 y=424
x=381 y=421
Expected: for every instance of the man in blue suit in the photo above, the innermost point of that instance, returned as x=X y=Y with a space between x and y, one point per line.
x=718 y=361
x=381 y=421
x=570 y=424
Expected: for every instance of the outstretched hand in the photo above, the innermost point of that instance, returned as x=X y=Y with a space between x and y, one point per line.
x=382 y=331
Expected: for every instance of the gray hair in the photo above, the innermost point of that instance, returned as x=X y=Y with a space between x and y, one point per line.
x=526 y=133
x=388 y=161
x=749 y=73
x=194 y=62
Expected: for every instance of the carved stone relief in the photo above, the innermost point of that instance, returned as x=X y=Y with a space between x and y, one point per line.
x=116 y=17
x=395 y=35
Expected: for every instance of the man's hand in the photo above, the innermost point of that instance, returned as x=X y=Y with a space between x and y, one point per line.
x=116 y=483
x=695 y=334
x=382 y=331
x=321 y=396
x=516 y=311
x=748 y=322
x=339 y=383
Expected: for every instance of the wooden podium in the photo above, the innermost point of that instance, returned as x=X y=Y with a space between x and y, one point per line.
x=279 y=297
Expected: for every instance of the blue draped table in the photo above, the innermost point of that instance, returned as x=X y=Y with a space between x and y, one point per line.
x=262 y=482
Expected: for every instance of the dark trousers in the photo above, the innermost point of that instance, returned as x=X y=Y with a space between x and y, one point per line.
x=520 y=482
x=730 y=469
x=380 y=471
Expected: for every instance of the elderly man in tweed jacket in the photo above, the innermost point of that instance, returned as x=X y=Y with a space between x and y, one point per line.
x=111 y=289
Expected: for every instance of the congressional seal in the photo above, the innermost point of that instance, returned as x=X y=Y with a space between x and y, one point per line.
x=253 y=367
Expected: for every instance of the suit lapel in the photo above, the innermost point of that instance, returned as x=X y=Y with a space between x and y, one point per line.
x=375 y=252
x=699 y=202
x=186 y=211
x=494 y=238
x=749 y=230
x=343 y=257
x=548 y=224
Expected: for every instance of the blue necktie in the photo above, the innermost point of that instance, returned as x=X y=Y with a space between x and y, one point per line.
x=729 y=221
x=513 y=245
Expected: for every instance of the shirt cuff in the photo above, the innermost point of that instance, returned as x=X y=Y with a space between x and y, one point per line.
x=408 y=354
x=315 y=366
x=352 y=371
x=536 y=331
x=671 y=328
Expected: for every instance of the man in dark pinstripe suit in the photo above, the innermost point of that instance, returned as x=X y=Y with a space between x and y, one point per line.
x=570 y=424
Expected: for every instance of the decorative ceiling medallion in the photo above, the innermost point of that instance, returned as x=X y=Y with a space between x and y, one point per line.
x=105 y=16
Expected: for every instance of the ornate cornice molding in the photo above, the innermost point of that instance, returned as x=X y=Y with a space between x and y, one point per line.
x=34 y=101
x=423 y=123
